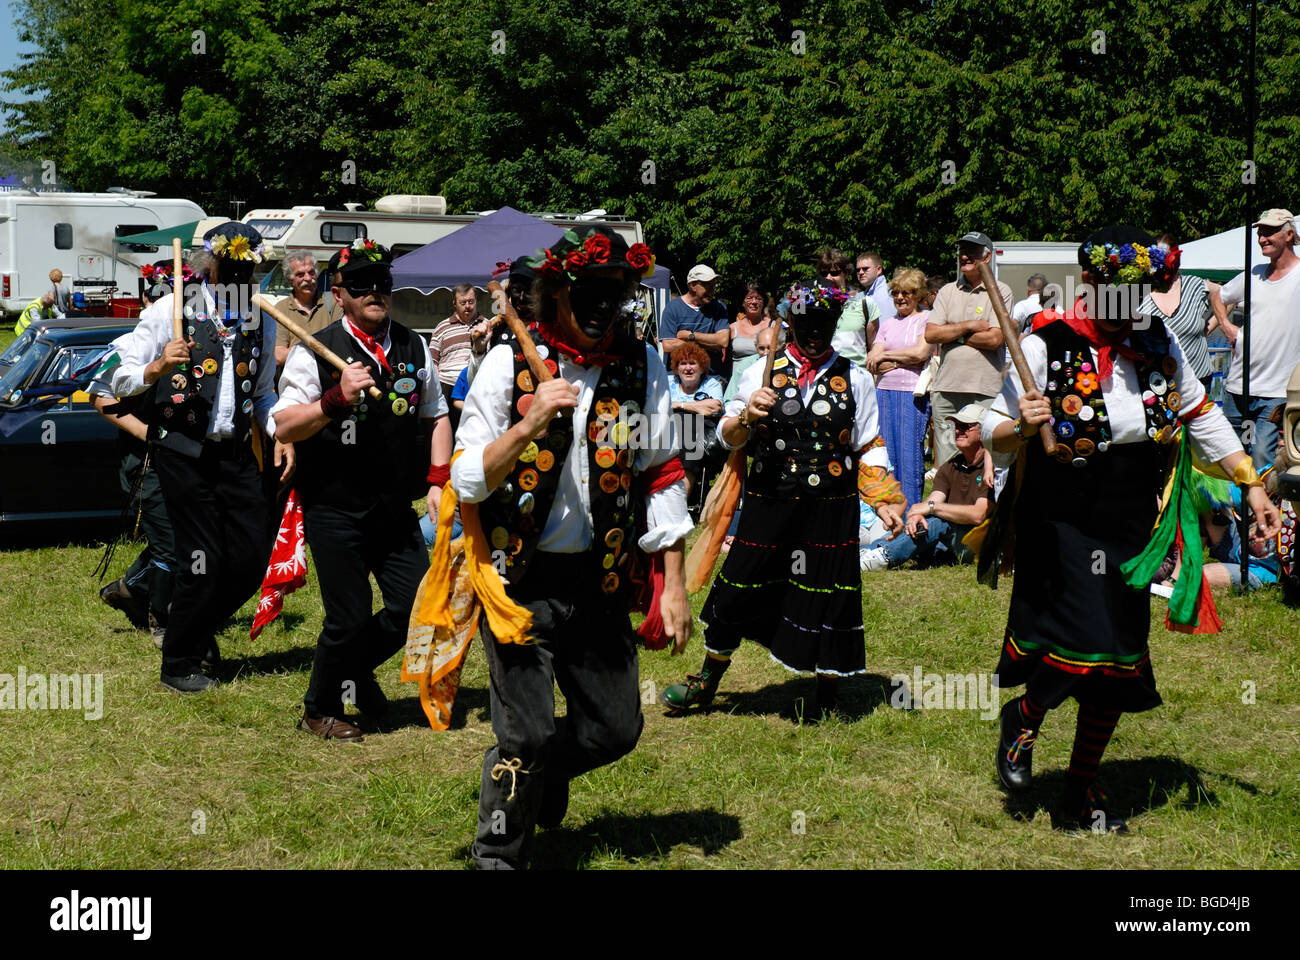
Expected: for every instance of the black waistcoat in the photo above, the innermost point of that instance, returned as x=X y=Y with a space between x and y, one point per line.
x=515 y=514
x=378 y=448
x=185 y=398
x=1079 y=414
x=806 y=451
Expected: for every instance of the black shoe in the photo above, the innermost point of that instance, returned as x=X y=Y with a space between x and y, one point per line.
x=555 y=802
x=194 y=683
x=828 y=697
x=118 y=596
x=212 y=658
x=1088 y=812
x=1015 y=749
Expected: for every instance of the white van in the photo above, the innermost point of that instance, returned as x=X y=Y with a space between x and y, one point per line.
x=402 y=223
x=75 y=232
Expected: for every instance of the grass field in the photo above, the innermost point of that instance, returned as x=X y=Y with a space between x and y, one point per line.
x=225 y=779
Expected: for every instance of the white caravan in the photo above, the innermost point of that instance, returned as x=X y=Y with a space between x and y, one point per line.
x=75 y=232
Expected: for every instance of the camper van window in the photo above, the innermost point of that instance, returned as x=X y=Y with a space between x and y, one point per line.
x=341 y=232
x=127 y=229
x=63 y=236
x=271 y=229
x=402 y=249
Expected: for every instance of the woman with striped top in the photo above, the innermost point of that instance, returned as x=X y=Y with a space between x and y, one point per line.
x=1185 y=309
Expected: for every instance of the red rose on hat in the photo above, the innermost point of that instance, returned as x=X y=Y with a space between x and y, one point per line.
x=640 y=258
x=597 y=247
x=551 y=266
x=576 y=260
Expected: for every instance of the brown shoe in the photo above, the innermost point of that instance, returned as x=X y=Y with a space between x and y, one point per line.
x=331 y=728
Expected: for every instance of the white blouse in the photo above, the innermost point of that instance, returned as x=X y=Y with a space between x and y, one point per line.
x=568 y=529
x=1211 y=433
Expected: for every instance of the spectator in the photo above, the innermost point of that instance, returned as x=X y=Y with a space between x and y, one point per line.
x=860 y=316
x=694 y=393
x=304 y=304
x=450 y=345
x=749 y=323
x=1025 y=309
x=60 y=293
x=933 y=284
x=42 y=308
x=896 y=359
x=696 y=317
x=1185 y=308
x=871 y=278
x=971 y=355
x=959 y=501
x=1274 y=338
x=763 y=343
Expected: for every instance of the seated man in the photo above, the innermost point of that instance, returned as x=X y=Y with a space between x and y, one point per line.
x=960 y=499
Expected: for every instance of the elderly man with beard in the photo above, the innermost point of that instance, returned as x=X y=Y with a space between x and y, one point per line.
x=554 y=476
x=1117 y=393
x=362 y=461
x=791 y=580
x=305 y=304
x=215 y=389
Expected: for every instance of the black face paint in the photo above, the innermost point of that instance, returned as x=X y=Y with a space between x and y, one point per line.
x=597 y=302
x=813 y=328
x=520 y=293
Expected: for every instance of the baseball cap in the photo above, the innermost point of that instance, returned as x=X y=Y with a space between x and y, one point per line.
x=971 y=413
x=977 y=238
x=1276 y=217
x=701 y=274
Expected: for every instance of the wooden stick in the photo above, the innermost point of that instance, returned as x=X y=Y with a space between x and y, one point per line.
x=314 y=345
x=178 y=292
x=1011 y=336
x=535 y=363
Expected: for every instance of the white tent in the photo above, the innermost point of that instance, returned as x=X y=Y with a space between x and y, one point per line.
x=1219 y=257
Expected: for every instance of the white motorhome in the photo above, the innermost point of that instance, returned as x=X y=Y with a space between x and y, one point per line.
x=402 y=223
x=1015 y=261
x=75 y=232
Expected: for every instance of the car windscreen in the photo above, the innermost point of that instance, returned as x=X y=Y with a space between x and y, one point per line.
x=22 y=373
x=17 y=348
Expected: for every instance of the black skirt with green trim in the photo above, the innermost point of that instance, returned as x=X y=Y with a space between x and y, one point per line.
x=792 y=583
x=1075 y=628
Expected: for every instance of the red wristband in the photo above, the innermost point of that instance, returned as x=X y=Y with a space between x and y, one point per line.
x=439 y=475
x=333 y=404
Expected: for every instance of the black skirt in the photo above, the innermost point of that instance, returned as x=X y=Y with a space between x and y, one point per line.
x=791 y=582
x=1075 y=628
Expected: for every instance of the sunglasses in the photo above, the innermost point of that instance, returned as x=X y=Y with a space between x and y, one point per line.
x=963 y=427
x=382 y=286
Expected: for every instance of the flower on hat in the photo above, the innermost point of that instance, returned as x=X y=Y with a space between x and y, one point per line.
x=640 y=257
x=1131 y=263
x=217 y=245
x=817 y=295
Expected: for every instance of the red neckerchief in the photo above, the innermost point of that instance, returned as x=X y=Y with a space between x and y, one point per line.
x=808 y=366
x=1107 y=343
x=370 y=343
x=597 y=357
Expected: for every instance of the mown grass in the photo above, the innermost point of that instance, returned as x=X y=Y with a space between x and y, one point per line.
x=1209 y=781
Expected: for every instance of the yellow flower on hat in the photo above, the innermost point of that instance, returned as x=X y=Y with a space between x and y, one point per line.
x=238 y=249
x=219 y=245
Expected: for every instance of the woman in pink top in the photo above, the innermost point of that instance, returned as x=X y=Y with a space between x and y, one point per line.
x=896 y=359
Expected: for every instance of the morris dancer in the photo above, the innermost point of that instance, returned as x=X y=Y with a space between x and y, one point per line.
x=791 y=579
x=546 y=476
x=216 y=386
x=361 y=463
x=1116 y=393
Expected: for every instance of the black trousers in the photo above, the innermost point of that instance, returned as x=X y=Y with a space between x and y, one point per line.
x=154 y=571
x=586 y=644
x=347 y=547
x=218 y=505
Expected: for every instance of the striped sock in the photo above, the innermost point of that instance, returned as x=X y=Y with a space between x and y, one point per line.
x=1031 y=713
x=1091 y=735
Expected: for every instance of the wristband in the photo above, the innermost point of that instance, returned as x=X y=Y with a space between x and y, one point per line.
x=743 y=418
x=439 y=474
x=333 y=404
x=1245 y=475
